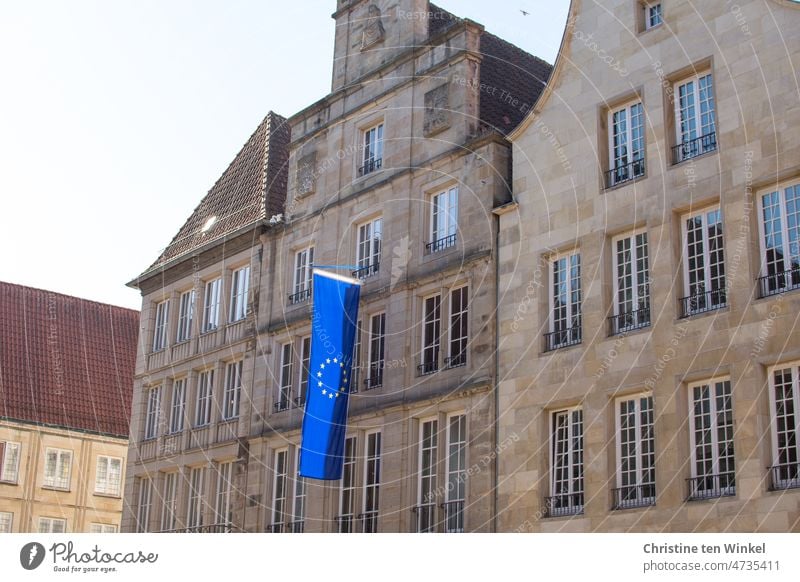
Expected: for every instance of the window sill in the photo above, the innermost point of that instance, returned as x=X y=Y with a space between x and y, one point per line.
x=108 y=495
x=4 y=482
x=54 y=488
x=699 y=157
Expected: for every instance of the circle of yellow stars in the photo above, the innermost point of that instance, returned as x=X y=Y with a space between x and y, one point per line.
x=325 y=391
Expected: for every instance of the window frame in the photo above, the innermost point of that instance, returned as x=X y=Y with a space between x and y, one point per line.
x=574 y=309
x=186 y=303
x=169 y=512
x=765 y=277
x=305 y=370
x=619 y=173
x=6 y=522
x=348 y=487
x=223 y=506
x=144 y=504
x=152 y=413
x=458 y=319
x=4 y=446
x=371 y=150
x=302 y=275
x=713 y=415
x=204 y=401
x=161 y=326
x=637 y=295
x=443 y=219
x=640 y=455
x=232 y=391
x=240 y=291
x=427 y=477
x=718 y=296
x=456 y=523
x=576 y=488
x=371 y=483
x=212 y=302
x=51 y=522
x=697 y=127
x=377 y=349
x=286 y=378
x=54 y=482
x=195 y=494
x=177 y=409
x=369 y=247
x=778 y=481
x=431 y=325
x=280 y=496
x=104 y=528
x=648 y=15
x=108 y=490
x=299 y=497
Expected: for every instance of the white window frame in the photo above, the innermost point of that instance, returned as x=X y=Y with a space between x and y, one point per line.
x=573 y=313
x=637 y=268
x=52 y=525
x=144 y=504
x=427 y=477
x=232 y=394
x=177 y=412
x=348 y=487
x=305 y=371
x=372 y=481
x=369 y=246
x=240 y=288
x=152 y=413
x=377 y=349
x=205 y=398
x=725 y=489
x=302 y=271
x=212 y=301
x=458 y=328
x=431 y=333
x=786 y=242
x=194 y=506
x=169 y=514
x=356 y=368
x=789 y=478
x=223 y=508
x=61 y=476
x=372 y=142
x=280 y=490
x=299 y=502
x=161 y=327
x=694 y=127
x=6 y=522
x=108 y=484
x=653 y=15
x=444 y=219
x=456 y=472
x=286 y=378
x=103 y=528
x=185 y=316
x=9 y=463
x=624 y=166
x=643 y=453
x=718 y=294
x=575 y=487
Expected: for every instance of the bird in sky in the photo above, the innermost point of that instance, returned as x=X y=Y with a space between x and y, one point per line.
x=524 y=13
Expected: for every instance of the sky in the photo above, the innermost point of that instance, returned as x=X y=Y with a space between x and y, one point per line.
x=117 y=116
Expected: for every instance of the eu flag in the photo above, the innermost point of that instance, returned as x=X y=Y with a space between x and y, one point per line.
x=332 y=337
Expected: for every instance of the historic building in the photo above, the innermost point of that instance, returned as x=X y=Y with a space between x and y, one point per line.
x=66 y=377
x=649 y=268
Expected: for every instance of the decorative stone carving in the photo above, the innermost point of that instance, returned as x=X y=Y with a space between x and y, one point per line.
x=437 y=110
x=306 y=174
x=373 y=28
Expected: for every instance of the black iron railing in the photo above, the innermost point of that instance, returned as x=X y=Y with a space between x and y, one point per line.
x=369 y=521
x=299 y=402
x=625 y=173
x=453 y=516
x=370 y=166
x=629 y=321
x=374 y=381
x=296 y=526
x=425 y=518
x=440 y=244
x=367 y=271
x=283 y=403
x=300 y=297
x=456 y=361
x=344 y=523
x=785 y=476
x=211 y=528
x=426 y=368
x=711 y=486
x=703 y=302
x=694 y=147
x=779 y=282
x=276 y=528
x=562 y=338
x=562 y=505
x=632 y=496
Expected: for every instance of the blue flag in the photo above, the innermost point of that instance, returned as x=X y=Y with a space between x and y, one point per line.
x=329 y=378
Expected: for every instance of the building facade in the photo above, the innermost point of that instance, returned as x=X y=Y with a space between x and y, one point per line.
x=648 y=273
x=66 y=373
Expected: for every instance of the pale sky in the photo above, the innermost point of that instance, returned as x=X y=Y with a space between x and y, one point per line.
x=117 y=116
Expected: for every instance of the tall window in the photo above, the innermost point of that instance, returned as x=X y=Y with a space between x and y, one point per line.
x=169 y=515
x=354 y=378
x=224 y=506
x=565 y=302
x=372 y=481
x=213 y=298
x=785 y=404
x=694 y=115
x=153 y=414
x=287 y=367
x=372 y=151
x=303 y=262
x=305 y=360
x=298 y=525
x=431 y=332
x=636 y=456
x=185 y=316
x=377 y=350
x=426 y=481
x=626 y=144
x=205 y=397
x=279 y=491
x=177 y=410
x=444 y=220
x=703 y=263
x=370 y=237
x=459 y=329
x=347 y=493
x=9 y=461
x=108 y=476
x=233 y=390
x=160 y=330
x=6 y=522
x=652 y=15
x=566 y=473
x=239 y=289
x=631 y=283
x=194 y=513
x=455 y=494
x=57 y=468
x=711 y=437
x=780 y=242
x=143 y=505
x=52 y=525
x=103 y=528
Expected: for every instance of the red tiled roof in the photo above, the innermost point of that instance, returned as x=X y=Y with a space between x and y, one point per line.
x=66 y=361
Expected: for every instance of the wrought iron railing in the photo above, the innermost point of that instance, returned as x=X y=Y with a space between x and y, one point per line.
x=375 y=379
x=625 y=173
x=300 y=297
x=563 y=505
x=785 y=476
x=453 y=516
x=344 y=523
x=210 y=528
x=703 y=302
x=711 y=486
x=299 y=401
x=694 y=147
x=425 y=518
x=284 y=402
x=370 y=166
x=777 y=283
x=367 y=271
x=456 y=361
x=632 y=496
x=441 y=244
x=427 y=368
x=369 y=521
x=276 y=528
x=629 y=321
x=562 y=338
x=296 y=526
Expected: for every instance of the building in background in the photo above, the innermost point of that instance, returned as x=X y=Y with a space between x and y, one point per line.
x=66 y=379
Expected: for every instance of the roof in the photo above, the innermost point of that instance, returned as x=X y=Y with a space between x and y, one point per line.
x=66 y=361
x=252 y=189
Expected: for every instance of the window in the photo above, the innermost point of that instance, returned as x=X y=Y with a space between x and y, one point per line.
x=347 y=493
x=631 y=283
x=303 y=263
x=213 y=299
x=459 y=305
x=565 y=303
x=298 y=525
x=636 y=456
x=153 y=414
x=108 y=476
x=9 y=461
x=305 y=359
x=224 y=507
x=279 y=493
x=784 y=394
x=372 y=482
x=194 y=514
x=143 y=507
x=185 y=316
x=444 y=220
x=426 y=481
x=431 y=331
x=626 y=144
x=160 y=330
x=711 y=439
x=373 y=150
x=57 y=468
x=780 y=241
x=233 y=390
x=205 y=397
x=370 y=237
x=356 y=360
x=169 y=516
x=52 y=525
x=455 y=495
x=102 y=528
x=6 y=522
x=239 y=289
x=178 y=409
x=377 y=350
x=694 y=118
x=285 y=388
x=652 y=15
x=566 y=464
x=703 y=263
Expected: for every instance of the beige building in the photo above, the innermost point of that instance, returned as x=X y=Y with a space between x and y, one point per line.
x=66 y=373
x=649 y=352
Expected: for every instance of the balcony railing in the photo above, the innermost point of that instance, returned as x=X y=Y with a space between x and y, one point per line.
x=779 y=283
x=694 y=147
x=629 y=321
x=711 y=486
x=299 y=401
x=284 y=402
x=425 y=518
x=300 y=297
x=344 y=523
x=375 y=379
x=563 y=505
x=427 y=368
x=367 y=271
x=785 y=476
x=456 y=361
x=276 y=528
x=211 y=528
x=440 y=244
x=453 y=516
x=632 y=496
x=625 y=173
x=370 y=166
x=369 y=521
x=703 y=302
x=562 y=338
x=296 y=526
